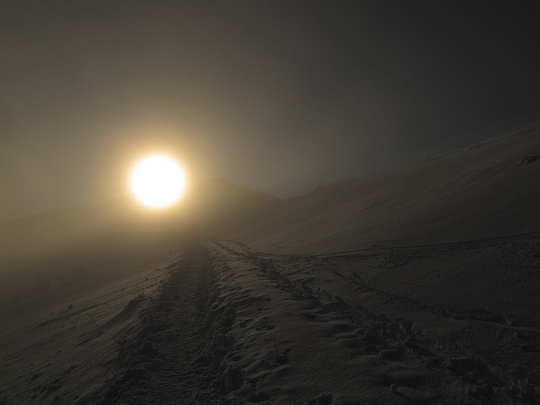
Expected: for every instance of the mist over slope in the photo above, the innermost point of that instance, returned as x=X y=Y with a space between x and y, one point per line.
x=52 y=248
x=485 y=190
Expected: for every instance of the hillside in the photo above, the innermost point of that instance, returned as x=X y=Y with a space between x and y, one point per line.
x=485 y=190
x=416 y=285
x=52 y=248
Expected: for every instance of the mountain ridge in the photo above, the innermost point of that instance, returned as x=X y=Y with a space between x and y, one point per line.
x=486 y=189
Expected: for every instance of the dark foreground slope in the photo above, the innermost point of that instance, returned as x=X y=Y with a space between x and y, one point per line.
x=163 y=362
x=235 y=326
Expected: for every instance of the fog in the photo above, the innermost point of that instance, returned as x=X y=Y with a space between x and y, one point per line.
x=276 y=96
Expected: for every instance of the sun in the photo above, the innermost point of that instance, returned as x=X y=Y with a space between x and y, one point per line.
x=157 y=181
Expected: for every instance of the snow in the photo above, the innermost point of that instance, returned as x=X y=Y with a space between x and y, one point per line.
x=417 y=285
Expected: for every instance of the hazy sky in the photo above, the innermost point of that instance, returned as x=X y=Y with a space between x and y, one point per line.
x=279 y=96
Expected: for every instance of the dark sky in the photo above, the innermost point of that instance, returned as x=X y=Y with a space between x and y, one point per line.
x=279 y=96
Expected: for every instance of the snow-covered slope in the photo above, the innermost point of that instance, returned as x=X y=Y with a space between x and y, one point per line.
x=485 y=190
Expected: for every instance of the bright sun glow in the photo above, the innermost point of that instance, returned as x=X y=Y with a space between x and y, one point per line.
x=157 y=181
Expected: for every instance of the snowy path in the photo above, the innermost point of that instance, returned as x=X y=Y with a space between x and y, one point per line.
x=234 y=326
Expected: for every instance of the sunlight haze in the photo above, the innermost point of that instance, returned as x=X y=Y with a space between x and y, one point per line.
x=273 y=202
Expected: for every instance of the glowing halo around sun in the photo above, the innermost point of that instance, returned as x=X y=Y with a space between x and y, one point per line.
x=157 y=181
